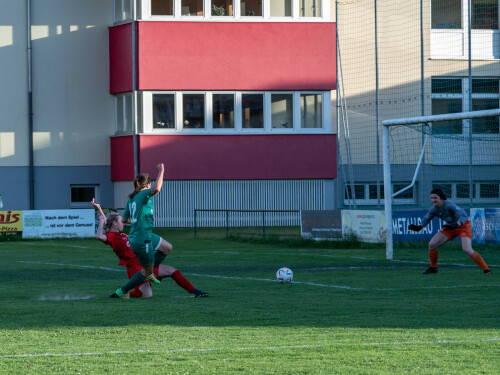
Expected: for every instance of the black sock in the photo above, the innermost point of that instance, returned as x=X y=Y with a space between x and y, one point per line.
x=135 y=280
x=159 y=257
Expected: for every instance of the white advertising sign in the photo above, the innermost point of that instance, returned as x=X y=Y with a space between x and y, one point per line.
x=369 y=226
x=58 y=223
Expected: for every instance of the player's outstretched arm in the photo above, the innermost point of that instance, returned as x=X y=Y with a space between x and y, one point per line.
x=159 y=181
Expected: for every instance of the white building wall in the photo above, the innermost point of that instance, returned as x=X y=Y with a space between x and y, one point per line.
x=73 y=112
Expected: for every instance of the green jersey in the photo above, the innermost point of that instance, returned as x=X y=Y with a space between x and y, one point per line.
x=140 y=211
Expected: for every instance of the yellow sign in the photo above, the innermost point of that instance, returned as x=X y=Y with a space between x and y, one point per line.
x=11 y=222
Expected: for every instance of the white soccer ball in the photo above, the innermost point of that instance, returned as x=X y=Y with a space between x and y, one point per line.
x=284 y=275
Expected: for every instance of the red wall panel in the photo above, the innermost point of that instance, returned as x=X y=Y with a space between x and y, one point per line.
x=236 y=56
x=227 y=157
x=122 y=158
x=120 y=58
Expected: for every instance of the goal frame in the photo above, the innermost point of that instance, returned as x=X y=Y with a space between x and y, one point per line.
x=388 y=195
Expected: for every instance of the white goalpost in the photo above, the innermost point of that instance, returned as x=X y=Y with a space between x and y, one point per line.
x=464 y=140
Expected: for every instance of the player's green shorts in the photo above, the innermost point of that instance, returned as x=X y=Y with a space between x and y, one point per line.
x=145 y=252
x=155 y=241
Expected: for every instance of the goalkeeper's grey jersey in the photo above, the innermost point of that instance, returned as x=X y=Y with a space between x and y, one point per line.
x=450 y=213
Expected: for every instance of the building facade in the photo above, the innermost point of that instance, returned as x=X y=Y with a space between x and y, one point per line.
x=419 y=58
x=235 y=97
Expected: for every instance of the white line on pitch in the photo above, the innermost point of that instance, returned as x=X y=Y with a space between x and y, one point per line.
x=73 y=265
x=200 y=350
x=274 y=280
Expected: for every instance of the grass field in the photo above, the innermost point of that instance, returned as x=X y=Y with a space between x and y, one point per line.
x=347 y=311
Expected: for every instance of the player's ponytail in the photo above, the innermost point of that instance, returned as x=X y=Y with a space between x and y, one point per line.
x=141 y=181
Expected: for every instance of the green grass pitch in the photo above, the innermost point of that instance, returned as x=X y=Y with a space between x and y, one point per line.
x=347 y=311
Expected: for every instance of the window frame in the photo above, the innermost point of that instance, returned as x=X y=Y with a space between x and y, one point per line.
x=146 y=114
x=466 y=105
x=367 y=201
x=124 y=111
x=84 y=204
x=476 y=191
x=442 y=39
x=145 y=13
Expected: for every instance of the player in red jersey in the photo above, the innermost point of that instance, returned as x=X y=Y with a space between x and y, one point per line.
x=110 y=231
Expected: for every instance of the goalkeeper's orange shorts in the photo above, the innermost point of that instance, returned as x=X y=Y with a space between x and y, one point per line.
x=465 y=230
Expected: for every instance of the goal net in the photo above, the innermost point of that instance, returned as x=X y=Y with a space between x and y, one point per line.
x=457 y=152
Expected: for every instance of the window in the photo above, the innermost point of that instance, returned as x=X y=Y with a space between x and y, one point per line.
x=162 y=7
x=251 y=8
x=163 y=111
x=228 y=112
x=483 y=87
x=407 y=194
x=481 y=191
x=311 y=111
x=310 y=8
x=81 y=195
x=463 y=190
x=282 y=110
x=451 y=21
x=281 y=8
x=373 y=191
x=222 y=8
x=193 y=111
x=223 y=111
x=246 y=10
x=489 y=190
x=484 y=14
x=192 y=7
x=123 y=108
x=445 y=187
x=252 y=110
x=366 y=193
x=123 y=10
x=446 y=14
x=442 y=106
x=449 y=95
x=359 y=192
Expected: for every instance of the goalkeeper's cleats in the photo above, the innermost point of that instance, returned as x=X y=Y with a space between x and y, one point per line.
x=487 y=272
x=198 y=293
x=152 y=279
x=120 y=294
x=430 y=270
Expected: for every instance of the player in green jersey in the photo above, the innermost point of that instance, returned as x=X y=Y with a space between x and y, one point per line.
x=139 y=213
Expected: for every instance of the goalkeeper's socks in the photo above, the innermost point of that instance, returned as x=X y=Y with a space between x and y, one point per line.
x=179 y=278
x=152 y=279
x=433 y=257
x=478 y=259
x=159 y=258
x=137 y=279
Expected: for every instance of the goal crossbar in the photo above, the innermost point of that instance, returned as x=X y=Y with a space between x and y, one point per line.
x=388 y=195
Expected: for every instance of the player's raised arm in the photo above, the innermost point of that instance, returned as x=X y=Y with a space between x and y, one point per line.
x=159 y=181
x=102 y=220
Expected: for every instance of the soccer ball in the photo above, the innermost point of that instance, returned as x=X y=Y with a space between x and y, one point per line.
x=284 y=275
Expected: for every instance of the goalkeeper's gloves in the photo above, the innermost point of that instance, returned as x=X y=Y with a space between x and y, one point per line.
x=416 y=228
x=450 y=226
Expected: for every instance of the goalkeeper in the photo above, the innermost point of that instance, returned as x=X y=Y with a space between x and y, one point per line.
x=457 y=224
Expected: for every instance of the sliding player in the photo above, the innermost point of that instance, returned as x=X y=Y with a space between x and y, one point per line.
x=118 y=241
x=457 y=224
